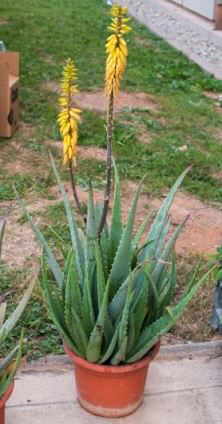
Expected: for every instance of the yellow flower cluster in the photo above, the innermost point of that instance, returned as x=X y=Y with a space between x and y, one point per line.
x=116 y=49
x=69 y=116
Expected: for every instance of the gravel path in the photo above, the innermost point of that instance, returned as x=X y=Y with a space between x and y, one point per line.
x=194 y=36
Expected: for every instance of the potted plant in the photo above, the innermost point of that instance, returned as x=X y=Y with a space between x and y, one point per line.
x=114 y=295
x=9 y=364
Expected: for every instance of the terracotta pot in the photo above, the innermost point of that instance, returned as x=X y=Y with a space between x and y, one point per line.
x=3 y=401
x=111 y=391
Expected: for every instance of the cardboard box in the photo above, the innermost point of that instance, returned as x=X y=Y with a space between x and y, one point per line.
x=9 y=93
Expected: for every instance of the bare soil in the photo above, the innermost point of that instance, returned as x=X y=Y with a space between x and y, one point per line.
x=201 y=236
x=97 y=100
x=3 y=21
x=20 y=247
x=203 y=231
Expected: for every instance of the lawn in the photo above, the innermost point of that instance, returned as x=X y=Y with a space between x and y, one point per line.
x=184 y=127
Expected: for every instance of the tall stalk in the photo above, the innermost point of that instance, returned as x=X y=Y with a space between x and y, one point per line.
x=73 y=185
x=117 y=52
x=108 y=188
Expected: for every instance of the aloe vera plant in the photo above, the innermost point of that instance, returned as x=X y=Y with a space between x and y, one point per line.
x=9 y=364
x=111 y=300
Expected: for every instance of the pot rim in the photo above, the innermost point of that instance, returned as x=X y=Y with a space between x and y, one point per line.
x=6 y=395
x=113 y=369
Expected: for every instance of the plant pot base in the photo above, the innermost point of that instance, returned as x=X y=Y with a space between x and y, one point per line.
x=2 y=414
x=3 y=401
x=111 y=391
x=110 y=412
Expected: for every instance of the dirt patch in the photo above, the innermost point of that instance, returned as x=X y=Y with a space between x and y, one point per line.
x=26 y=162
x=19 y=242
x=3 y=21
x=143 y=135
x=128 y=190
x=212 y=95
x=16 y=158
x=217 y=176
x=143 y=42
x=203 y=230
x=217 y=97
x=20 y=246
x=83 y=152
x=92 y=153
x=48 y=59
x=202 y=233
x=97 y=101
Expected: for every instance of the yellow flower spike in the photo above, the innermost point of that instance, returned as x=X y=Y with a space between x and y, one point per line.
x=68 y=116
x=116 y=49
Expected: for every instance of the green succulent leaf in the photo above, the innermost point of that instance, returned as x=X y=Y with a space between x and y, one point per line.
x=152 y=333
x=112 y=347
x=51 y=260
x=10 y=323
x=2 y=230
x=95 y=342
x=116 y=222
x=2 y=312
x=120 y=355
x=121 y=265
x=158 y=227
x=73 y=228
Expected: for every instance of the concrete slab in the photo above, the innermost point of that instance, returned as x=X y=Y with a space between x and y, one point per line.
x=184 y=387
x=189 y=33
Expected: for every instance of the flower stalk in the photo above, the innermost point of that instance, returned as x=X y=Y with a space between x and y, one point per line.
x=117 y=53
x=68 y=120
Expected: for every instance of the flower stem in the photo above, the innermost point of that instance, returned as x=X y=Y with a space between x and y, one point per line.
x=73 y=185
x=108 y=188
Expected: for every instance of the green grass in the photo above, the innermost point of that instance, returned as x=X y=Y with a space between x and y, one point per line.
x=46 y=34
x=40 y=333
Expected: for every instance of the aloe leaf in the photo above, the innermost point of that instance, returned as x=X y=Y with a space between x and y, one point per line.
x=2 y=230
x=169 y=286
x=90 y=227
x=9 y=366
x=51 y=260
x=6 y=361
x=161 y=262
x=73 y=291
x=112 y=346
x=91 y=220
x=121 y=354
x=139 y=311
x=88 y=312
x=141 y=230
x=131 y=331
x=72 y=311
x=116 y=221
x=153 y=286
x=5 y=383
x=73 y=228
x=118 y=301
x=161 y=219
x=57 y=314
x=123 y=327
x=162 y=238
x=152 y=333
x=100 y=289
x=10 y=323
x=95 y=342
x=100 y=277
x=121 y=264
x=2 y=312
